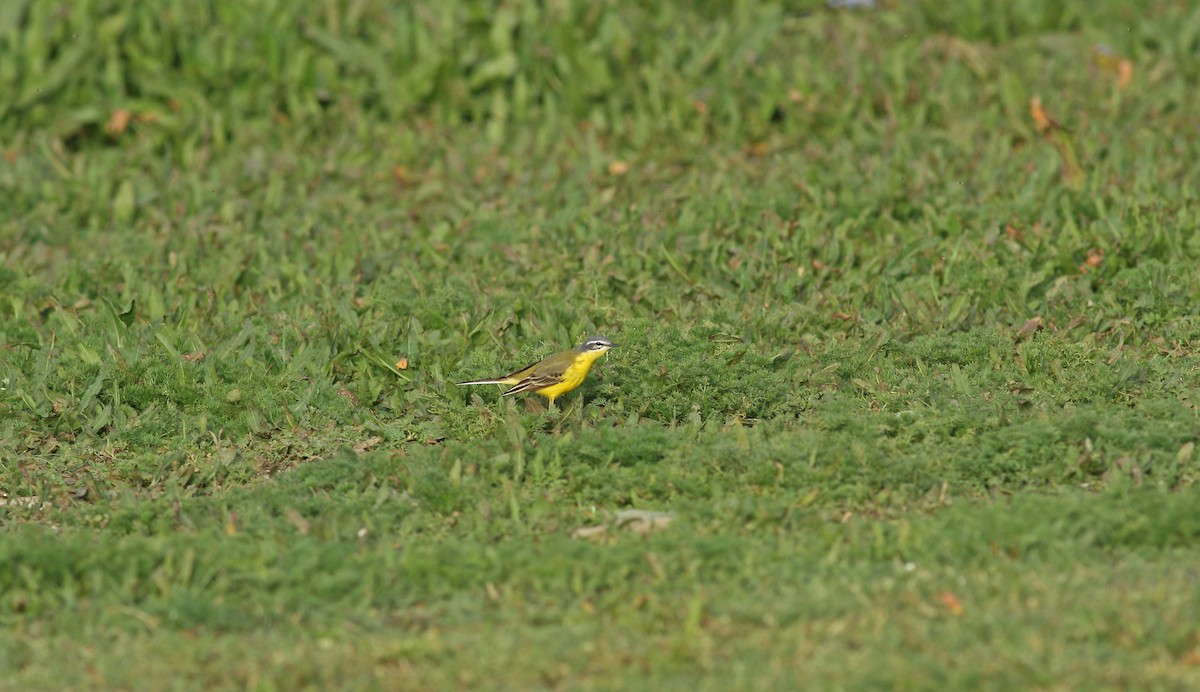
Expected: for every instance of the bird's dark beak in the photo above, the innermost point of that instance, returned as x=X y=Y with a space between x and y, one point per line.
x=612 y=345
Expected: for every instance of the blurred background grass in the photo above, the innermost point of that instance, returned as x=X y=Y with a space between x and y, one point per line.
x=898 y=370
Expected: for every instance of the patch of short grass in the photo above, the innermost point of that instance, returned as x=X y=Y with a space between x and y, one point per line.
x=919 y=403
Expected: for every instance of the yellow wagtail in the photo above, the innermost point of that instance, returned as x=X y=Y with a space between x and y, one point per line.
x=556 y=375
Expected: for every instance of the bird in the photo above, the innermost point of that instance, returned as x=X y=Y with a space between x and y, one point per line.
x=555 y=375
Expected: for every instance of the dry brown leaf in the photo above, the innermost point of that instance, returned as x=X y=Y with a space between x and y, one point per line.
x=1031 y=325
x=1043 y=121
x=1059 y=137
x=1094 y=257
x=1040 y=120
x=118 y=122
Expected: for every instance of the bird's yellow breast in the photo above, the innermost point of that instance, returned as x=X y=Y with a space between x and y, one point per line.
x=572 y=377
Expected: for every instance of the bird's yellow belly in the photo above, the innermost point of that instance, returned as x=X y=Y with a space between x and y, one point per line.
x=571 y=379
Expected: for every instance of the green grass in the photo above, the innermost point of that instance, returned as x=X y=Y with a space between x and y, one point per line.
x=921 y=403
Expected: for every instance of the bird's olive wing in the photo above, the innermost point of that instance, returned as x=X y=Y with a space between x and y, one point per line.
x=534 y=383
x=542 y=374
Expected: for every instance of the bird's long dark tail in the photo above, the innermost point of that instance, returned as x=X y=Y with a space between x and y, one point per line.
x=499 y=381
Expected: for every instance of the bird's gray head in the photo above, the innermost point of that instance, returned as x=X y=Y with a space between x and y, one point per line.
x=596 y=343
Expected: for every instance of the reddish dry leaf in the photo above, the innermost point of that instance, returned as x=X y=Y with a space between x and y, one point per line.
x=1059 y=137
x=1041 y=119
x=952 y=604
x=1124 y=74
x=618 y=168
x=402 y=364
